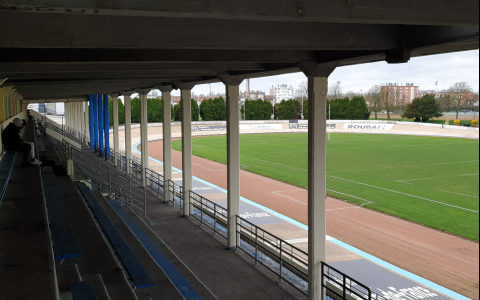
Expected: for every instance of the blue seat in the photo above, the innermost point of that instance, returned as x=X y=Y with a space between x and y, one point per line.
x=6 y=167
x=133 y=266
x=63 y=236
x=83 y=291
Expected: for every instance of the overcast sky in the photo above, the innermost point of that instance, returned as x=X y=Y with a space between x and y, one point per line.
x=424 y=72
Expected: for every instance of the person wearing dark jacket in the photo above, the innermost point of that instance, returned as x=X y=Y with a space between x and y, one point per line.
x=12 y=142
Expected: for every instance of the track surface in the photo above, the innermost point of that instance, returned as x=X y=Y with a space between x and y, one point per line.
x=450 y=261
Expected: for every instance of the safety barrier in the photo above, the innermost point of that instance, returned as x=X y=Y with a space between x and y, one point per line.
x=280 y=257
x=155 y=182
x=105 y=177
x=209 y=213
x=175 y=194
x=337 y=285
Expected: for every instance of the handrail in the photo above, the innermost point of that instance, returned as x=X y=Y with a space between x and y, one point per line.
x=287 y=261
x=176 y=194
x=155 y=182
x=209 y=213
x=341 y=286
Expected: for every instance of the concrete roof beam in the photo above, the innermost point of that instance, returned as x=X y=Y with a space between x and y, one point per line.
x=177 y=33
x=420 y=12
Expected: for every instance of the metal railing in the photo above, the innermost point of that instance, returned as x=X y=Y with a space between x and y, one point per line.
x=121 y=161
x=280 y=257
x=209 y=213
x=175 y=194
x=337 y=285
x=105 y=177
x=155 y=182
x=136 y=168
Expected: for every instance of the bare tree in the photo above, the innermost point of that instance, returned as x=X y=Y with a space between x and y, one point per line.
x=458 y=91
x=302 y=90
x=351 y=94
x=374 y=99
x=471 y=104
x=335 y=91
x=390 y=98
x=445 y=102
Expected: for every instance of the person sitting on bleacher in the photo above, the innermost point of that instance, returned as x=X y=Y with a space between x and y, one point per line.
x=12 y=142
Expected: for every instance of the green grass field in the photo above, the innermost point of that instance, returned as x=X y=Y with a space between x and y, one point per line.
x=429 y=180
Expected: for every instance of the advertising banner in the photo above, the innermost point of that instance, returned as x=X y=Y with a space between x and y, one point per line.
x=368 y=126
x=209 y=128
x=261 y=127
x=305 y=126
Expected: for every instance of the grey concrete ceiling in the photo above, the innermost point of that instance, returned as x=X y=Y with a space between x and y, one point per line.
x=61 y=49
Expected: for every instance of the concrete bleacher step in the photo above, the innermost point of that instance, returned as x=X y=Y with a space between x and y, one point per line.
x=26 y=261
x=97 y=257
x=83 y=291
x=163 y=288
x=6 y=167
x=65 y=243
x=132 y=265
x=99 y=286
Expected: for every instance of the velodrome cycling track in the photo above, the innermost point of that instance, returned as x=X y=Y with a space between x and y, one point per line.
x=359 y=237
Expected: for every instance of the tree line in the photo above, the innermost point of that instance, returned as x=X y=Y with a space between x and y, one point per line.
x=154 y=111
x=216 y=110
x=455 y=99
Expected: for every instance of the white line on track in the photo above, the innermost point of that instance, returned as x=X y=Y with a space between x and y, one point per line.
x=368 y=202
x=464 y=175
x=278 y=194
x=206 y=168
x=405 y=181
x=342 y=208
x=396 y=192
x=458 y=194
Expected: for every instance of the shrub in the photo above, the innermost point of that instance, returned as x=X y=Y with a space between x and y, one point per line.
x=457 y=122
x=475 y=123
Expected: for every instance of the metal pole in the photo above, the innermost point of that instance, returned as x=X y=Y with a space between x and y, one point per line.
x=329 y=117
x=303 y=116
x=256 y=245
x=145 y=199
x=281 y=262
x=99 y=177
x=109 y=183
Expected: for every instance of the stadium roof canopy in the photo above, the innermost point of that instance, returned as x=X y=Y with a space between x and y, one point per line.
x=60 y=49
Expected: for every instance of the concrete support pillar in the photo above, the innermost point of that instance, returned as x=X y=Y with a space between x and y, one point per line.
x=128 y=128
x=24 y=110
x=4 y=91
x=144 y=133
x=87 y=120
x=317 y=171
x=67 y=116
x=82 y=120
x=93 y=120
x=167 y=136
x=233 y=155
x=106 y=125
x=100 y=123
x=76 y=108
x=116 y=141
x=187 y=162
